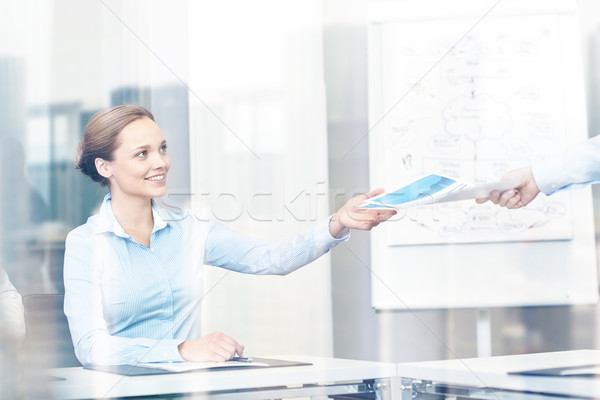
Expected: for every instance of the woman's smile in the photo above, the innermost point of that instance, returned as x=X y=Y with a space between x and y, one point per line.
x=162 y=178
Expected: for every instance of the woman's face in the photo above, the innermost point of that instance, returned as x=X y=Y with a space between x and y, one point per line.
x=140 y=163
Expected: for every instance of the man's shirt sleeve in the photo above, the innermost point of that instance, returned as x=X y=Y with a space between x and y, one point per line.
x=577 y=167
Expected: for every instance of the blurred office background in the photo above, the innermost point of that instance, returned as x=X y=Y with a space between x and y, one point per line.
x=258 y=101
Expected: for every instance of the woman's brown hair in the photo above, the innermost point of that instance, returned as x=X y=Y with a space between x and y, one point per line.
x=101 y=137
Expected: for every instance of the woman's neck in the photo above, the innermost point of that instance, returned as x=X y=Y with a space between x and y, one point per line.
x=133 y=214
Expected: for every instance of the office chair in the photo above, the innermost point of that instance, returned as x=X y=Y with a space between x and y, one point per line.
x=48 y=342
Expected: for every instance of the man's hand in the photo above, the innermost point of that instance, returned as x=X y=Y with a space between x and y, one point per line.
x=518 y=197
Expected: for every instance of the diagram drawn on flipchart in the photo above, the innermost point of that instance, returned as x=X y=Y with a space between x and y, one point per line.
x=488 y=106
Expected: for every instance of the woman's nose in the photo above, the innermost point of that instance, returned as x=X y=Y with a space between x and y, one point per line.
x=160 y=161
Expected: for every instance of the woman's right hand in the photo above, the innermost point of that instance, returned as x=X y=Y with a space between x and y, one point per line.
x=213 y=347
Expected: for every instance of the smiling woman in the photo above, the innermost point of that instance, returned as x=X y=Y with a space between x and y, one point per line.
x=133 y=272
x=101 y=137
x=125 y=149
x=140 y=163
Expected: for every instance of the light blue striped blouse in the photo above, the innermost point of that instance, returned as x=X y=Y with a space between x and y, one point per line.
x=129 y=303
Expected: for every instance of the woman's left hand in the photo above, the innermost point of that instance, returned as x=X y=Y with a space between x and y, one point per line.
x=349 y=216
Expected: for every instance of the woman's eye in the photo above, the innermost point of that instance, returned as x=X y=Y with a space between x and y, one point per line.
x=142 y=153
x=163 y=148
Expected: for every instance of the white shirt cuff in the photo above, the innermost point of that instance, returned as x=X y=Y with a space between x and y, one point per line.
x=550 y=174
x=324 y=234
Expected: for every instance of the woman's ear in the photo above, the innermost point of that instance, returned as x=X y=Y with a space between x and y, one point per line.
x=103 y=167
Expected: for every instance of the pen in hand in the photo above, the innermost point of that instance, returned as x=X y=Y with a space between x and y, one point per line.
x=242 y=359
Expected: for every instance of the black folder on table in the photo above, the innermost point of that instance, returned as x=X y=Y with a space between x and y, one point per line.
x=135 y=370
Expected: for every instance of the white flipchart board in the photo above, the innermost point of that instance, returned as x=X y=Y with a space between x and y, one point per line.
x=472 y=90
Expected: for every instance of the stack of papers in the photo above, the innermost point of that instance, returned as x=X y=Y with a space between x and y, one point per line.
x=432 y=189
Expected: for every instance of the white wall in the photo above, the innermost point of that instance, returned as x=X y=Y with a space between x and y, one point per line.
x=259 y=162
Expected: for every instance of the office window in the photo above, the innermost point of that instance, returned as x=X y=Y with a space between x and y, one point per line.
x=64 y=63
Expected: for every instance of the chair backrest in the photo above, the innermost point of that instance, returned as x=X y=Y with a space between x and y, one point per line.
x=48 y=341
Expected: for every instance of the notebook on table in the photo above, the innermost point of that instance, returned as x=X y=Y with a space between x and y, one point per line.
x=181 y=367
